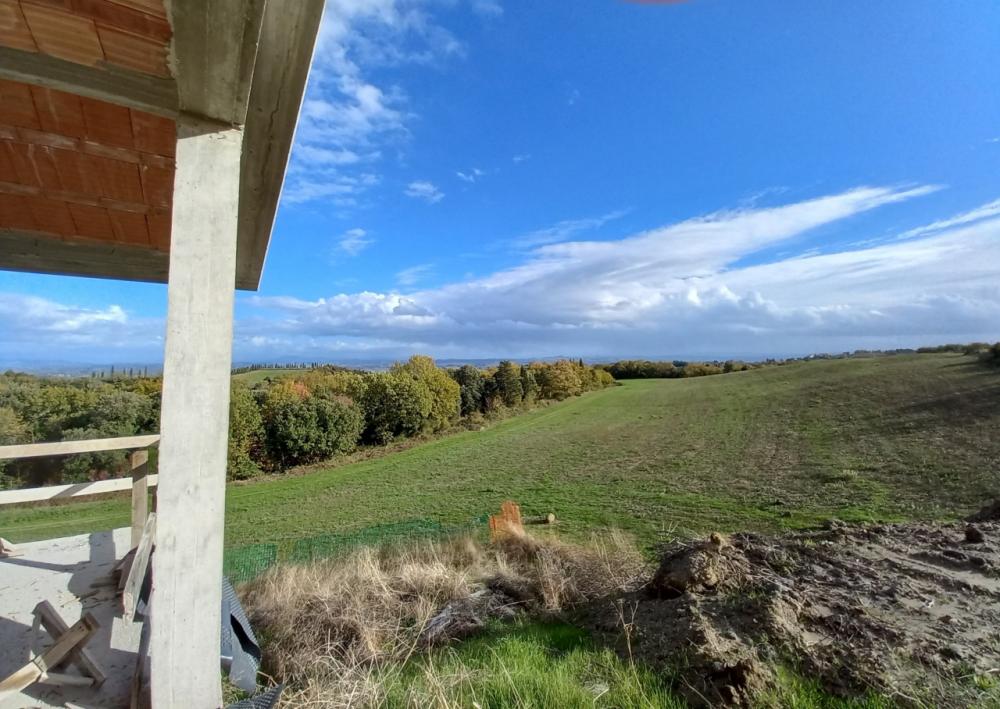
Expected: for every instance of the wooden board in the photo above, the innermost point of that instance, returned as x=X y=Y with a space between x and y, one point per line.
x=95 y=445
x=137 y=569
x=54 y=492
x=56 y=626
x=31 y=672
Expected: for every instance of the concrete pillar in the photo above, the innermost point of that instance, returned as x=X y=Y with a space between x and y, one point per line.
x=194 y=424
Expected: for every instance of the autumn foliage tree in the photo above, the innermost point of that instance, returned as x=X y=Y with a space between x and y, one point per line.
x=289 y=419
x=301 y=427
x=395 y=405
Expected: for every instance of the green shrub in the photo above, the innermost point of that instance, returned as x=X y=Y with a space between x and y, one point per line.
x=559 y=380
x=444 y=392
x=12 y=430
x=334 y=382
x=246 y=434
x=303 y=428
x=507 y=384
x=395 y=404
x=529 y=386
x=472 y=388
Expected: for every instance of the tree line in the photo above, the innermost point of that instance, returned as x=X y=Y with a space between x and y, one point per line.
x=676 y=369
x=290 y=419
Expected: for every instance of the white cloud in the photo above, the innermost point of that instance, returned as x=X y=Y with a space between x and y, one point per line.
x=470 y=175
x=348 y=118
x=699 y=287
x=561 y=231
x=986 y=211
x=354 y=241
x=490 y=8
x=521 y=157
x=341 y=190
x=422 y=189
x=39 y=328
x=678 y=290
x=413 y=275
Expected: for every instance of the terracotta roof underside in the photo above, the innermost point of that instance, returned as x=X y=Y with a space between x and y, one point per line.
x=76 y=168
x=79 y=169
x=90 y=94
x=133 y=34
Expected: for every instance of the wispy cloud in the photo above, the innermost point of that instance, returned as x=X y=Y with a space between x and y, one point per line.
x=521 y=157
x=564 y=230
x=490 y=8
x=470 y=175
x=676 y=290
x=414 y=274
x=986 y=211
x=349 y=119
x=679 y=289
x=422 y=189
x=354 y=241
x=341 y=190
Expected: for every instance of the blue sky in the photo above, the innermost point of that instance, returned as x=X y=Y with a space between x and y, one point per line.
x=484 y=178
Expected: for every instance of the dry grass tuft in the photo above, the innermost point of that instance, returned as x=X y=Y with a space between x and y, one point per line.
x=335 y=629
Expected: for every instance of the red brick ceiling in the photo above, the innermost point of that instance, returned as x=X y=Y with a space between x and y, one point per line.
x=134 y=34
x=77 y=168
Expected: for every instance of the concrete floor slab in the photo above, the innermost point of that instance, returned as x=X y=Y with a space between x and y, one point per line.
x=68 y=573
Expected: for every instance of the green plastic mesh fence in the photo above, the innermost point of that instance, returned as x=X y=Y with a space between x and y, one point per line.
x=326 y=546
x=243 y=564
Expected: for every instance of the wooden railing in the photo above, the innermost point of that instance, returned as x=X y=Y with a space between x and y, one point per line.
x=139 y=482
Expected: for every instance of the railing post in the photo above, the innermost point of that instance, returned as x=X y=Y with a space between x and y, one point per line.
x=139 y=464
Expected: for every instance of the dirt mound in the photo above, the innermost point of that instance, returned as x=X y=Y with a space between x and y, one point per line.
x=911 y=611
x=989 y=513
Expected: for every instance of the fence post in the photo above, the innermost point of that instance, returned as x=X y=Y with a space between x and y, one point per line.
x=138 y=462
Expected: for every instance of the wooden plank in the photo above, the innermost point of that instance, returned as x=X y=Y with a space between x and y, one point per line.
x=94 y=445
x=194 y=420
x=138 y=463
x=137 y=570
x=24 y=677
x=107 y=83
x=287 y=40
x=29 y=674
x=57 y=492
x=67 y=642
x=139 y=696
x=65 y=680
x=56 y=627
x=36 y=253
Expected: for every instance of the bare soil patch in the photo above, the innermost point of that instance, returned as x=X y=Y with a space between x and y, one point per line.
x=908 y=611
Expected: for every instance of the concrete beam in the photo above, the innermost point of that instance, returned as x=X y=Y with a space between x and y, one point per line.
x=194 y=421
x=287 y=41
x=35 y=253
x=214 y=50
x=106 y=83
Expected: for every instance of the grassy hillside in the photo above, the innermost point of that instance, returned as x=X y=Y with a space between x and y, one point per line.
x=888 y=438
x=258 y=375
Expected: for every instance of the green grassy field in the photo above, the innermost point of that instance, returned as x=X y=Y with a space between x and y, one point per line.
x=888 y=438
x=258 y=375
